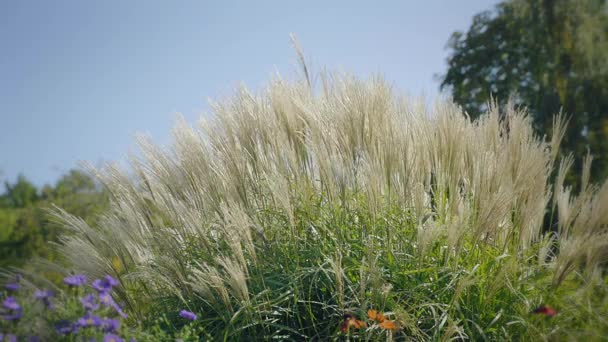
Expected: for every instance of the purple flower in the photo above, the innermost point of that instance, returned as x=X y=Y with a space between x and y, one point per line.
x=89 y=320
x=16 y=312
x=113 y=282
x=65 y=328
x=187 y=315
x=43 y=294
x=110 y=325
x=112 y=338
x=13 y=316
x=11 y=304
x=10 y=338
x=100 y=286
x=33 y=339
x=12 y=286
x=107 y=300
x=105 y=285
x=89 y=303
x=75 y=280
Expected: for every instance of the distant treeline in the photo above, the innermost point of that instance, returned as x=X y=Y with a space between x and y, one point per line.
x=26 y=229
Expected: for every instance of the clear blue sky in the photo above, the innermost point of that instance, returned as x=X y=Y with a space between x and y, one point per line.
x=78 y=78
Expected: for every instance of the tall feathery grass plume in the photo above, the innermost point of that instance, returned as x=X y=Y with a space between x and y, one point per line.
x=298 y=203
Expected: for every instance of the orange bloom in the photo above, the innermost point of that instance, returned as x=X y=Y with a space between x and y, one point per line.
x=545 y=310
x=376 y=316
x=388 y=325
x=351 y=321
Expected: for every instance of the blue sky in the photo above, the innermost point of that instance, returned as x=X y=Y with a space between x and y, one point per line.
x=78 y=79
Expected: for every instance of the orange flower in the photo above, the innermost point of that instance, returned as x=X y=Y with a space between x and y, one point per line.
x=388 y=325
x=376 y=316
x=351 y=321
x=545 y=310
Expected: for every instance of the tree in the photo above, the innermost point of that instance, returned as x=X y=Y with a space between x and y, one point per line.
x=547 y=55
x=21 y=194
x=75 y=182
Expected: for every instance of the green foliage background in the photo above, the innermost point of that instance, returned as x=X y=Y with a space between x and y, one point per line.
x=25 y=227
x=546 y=55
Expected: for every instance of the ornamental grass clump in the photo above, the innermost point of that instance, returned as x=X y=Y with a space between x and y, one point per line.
x=300 y=205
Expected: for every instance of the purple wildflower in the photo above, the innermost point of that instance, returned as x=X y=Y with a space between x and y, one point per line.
x=14 y=307
x=89 y=303
x=15 y=315
x=75 y=280
x=105 y=285
x=107 y=300
x=65 y=328
x=33 y=339
x=110 y=325
x=111 y=281
x=11 y=338
x=100 y=286
x=187 y=315
x=12 y=286
x=11 y=304
x=89 y=320
x=45 y=296
x=112 y=338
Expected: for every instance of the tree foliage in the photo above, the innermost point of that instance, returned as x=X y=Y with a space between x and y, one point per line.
x=21 y=194
x=25 y=230
x=547 y=55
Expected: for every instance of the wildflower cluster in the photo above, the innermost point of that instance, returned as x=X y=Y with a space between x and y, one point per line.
x=95 y=314
x=11 y=311
x=95 y=305
x=85 y=311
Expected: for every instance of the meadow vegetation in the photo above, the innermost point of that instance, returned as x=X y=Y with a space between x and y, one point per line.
x=338 y=209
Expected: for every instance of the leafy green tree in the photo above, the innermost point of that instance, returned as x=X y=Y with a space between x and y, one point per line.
x=547 y=55
x=75 y=182
x=21 y=194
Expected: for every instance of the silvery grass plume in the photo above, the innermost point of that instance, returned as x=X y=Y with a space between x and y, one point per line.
x=201 y=217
